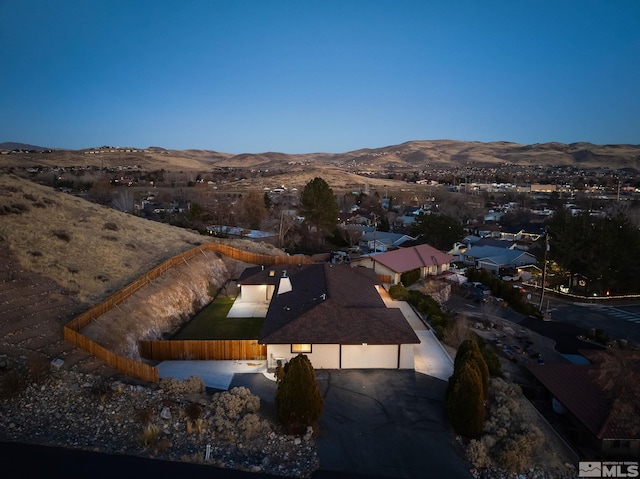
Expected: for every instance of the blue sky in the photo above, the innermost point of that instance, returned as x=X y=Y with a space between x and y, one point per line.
x=308 y=76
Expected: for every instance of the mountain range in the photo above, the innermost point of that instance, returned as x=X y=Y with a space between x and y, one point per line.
x=413 y=155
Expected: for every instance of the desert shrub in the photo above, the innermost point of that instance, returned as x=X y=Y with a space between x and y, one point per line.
x=13 y=209
x=477 y=453
x=192 y=384
x=110 y=226
x=38 y=368
x=490 y=357
x=193 y=411
x=144 y=415
x=150 y=434
x=410 y=277
x=12 y=383
x=62 y=235
x=298 y=400
x=509 y=441
x=398 y=292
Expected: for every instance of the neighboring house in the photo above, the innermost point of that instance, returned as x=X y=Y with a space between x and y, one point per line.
x=404 y=221
x=427 y=259
x=383 y=240
x=603 y=420
x=530 y=231
x=495 y=216
x=334 y=314
x=493 y=258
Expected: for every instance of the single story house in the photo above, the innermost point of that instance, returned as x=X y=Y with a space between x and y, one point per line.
x=334 y=314
x=383 y=240
x=424 y=257
x=600 y=409
x=493 y=258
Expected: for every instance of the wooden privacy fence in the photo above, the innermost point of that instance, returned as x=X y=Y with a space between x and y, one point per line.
x=202 y=350
x=127 y=366
x=138 y=369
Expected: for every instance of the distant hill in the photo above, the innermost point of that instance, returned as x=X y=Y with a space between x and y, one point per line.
x=11 y=145
x=412 y=155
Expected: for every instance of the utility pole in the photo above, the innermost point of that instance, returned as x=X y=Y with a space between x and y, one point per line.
x=544 y=268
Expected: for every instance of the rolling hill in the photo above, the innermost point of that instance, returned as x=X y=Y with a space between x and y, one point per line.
x=423 y=154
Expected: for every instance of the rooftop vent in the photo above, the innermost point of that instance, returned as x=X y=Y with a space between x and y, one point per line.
x=285 y=284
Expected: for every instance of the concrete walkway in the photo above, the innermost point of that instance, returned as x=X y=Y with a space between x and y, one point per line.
x=429 y=356
x=214 y=374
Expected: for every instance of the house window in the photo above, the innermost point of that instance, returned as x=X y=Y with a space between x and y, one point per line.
x=300 y=348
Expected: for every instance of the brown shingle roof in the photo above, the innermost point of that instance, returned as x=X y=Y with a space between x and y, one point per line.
x=606 y=414
x=407 y=259
x=334 y=304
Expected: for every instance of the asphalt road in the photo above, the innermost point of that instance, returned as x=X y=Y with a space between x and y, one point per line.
x=620 y=320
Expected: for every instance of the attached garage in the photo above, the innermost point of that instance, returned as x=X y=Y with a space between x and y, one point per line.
x=383 y=356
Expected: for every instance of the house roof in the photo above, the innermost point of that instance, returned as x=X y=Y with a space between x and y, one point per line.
x=334 y=304
x=505 y=244
x=407 y=259
x=386 y=237
x=576 y=387
x=497 y=255
x=261 y=275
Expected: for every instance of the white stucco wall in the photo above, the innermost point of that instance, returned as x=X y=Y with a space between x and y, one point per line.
x=256 y=293
x=323 y=356
x=406 y=356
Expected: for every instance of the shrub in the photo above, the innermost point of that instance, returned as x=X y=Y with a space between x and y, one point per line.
x=490 y=357
x=12 y=383
x=398 y=292
x=150 y=434
x=39 y=368
x=110 y=226
x=193 y=411
x=62 y=235
x=410 y=277
x=298 y=400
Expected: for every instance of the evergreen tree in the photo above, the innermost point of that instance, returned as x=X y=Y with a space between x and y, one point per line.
x=464 y=403
x=318 y=205
x=469 y=351
x=467 y=390
x=298 y=400
x=438 y=230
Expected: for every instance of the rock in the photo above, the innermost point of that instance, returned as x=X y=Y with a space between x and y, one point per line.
x=57 y=363
x=165 y=413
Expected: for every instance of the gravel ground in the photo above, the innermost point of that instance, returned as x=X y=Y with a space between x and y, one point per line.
x=176 y=421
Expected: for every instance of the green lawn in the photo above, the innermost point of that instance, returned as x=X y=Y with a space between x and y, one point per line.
x=212 y=323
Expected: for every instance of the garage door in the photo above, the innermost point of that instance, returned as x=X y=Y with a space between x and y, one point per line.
x=365 y=357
